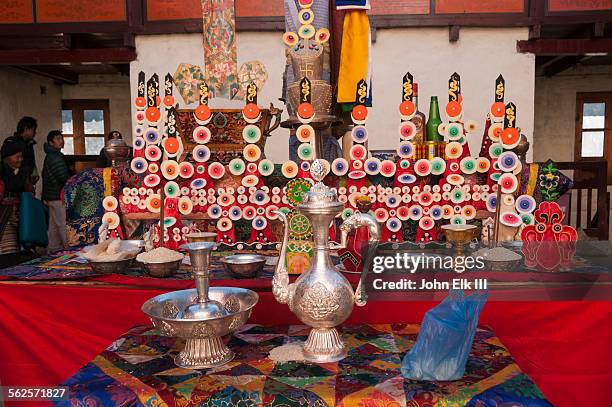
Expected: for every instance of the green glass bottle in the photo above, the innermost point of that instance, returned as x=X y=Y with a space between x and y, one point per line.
x=433 y=121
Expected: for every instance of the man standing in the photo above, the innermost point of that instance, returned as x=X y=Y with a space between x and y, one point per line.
x=26 y=131
x=55 y=174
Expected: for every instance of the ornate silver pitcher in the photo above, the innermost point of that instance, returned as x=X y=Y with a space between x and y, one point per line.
x=322 y=297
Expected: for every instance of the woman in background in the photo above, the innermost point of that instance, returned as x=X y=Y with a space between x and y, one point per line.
x=14 y=181
x=103 y=160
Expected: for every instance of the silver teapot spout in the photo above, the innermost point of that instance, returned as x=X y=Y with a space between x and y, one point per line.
x=355 y=221
x=282 y=290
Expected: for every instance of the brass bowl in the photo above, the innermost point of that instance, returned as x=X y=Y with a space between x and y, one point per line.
x=201 y=237
x=244 y=265
x=459 y=233
x=160 y=270
x=111 y=267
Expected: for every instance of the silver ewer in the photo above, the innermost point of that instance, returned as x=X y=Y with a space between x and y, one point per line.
x=322 y=297
x=201 y=316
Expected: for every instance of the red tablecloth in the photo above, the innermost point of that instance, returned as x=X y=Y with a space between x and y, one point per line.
x=50 y=331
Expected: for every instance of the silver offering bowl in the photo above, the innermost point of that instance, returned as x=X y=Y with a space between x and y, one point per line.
x=244 y=265
x=111 y=267
x=204 y=347
x=165 y=269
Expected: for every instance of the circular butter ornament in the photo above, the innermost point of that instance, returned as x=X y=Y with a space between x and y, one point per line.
x=508 y=183
x=359 y=134
x=305 y=151
x=200 y=153
x=453 y=150
x=251 y=152
x=290 y=39
x=358 y=152
x=251 y=133
x=216 y=170
x=405 y=149
x=407 y=130
x=305 y=133
x=422 y=167
x=266 y=167
x=525 y=204
x=201 y=135
x=138 y=165
x=511 y=219
x=468 y=165
x=482 y=164
x=372 y=166
x=438 y=166
x=153 y=203
x=387 y=168
x=340 y=166
x=322 y=36
x=151 y=180
x=289 y=169
x=306 y=31
x=186 y=170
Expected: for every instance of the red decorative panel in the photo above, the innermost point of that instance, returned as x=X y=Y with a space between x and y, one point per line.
x=382 y=7
x=174 y=10
x=479 y=6
x=261 y=8
x=74 y=11
x=15 y=11
x=159 y=10
x=579 y=5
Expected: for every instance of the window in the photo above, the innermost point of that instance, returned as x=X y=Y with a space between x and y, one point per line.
x=593 y=127
x=85 y=124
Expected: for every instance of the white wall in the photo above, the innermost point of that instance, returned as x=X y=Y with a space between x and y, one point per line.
x=162 y=54
x=21 y=95
x=479 y=56
x=115 y=88
x=555 y=108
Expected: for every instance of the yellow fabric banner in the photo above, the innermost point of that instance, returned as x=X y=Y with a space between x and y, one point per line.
x=354 y=54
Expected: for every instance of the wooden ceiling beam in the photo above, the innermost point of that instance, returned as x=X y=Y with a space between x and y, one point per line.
x=77 y=56
x=57 y=73
x=565 y=46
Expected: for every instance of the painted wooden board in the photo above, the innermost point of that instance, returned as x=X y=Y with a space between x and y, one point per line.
x=579 y=5
x=390 y=7
x=479 y=6
x=73 y=11
x=16 y=12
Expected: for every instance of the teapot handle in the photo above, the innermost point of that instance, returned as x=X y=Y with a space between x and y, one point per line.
x=276 y=115
x=353 y=222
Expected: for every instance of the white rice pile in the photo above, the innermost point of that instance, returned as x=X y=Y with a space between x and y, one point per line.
x=159 y=255
x=108 y=251
x=291 y=352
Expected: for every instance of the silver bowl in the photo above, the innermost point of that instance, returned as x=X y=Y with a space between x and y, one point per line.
x=204 y=347
x=166 y=269
x=244 y=265
x=111 y=267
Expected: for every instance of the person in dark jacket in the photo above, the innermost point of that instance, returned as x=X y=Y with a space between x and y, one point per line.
x=55 y=174
x=26 y=131
x=14 y=181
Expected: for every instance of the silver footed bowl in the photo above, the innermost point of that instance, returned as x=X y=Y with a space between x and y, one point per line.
x=244 y=265
x=204 y=347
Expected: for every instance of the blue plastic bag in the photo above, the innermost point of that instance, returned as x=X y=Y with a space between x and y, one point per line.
x=445 y=338
x=32 y=221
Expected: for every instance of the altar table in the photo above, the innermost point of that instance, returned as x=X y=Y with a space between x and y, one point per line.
x=138 y=370
x=50 y=328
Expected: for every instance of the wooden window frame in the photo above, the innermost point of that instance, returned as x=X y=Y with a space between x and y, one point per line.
x=78 y=107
